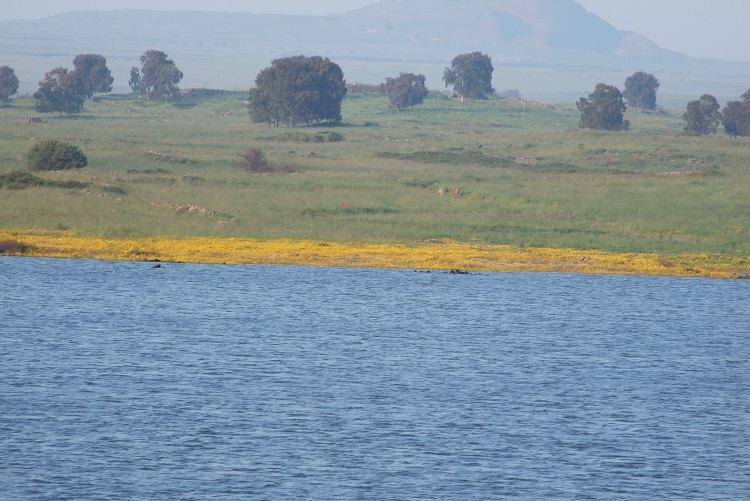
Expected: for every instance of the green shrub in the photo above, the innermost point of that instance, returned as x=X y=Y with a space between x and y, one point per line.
x=52 y=154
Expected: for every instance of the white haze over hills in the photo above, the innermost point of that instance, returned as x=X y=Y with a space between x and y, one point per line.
x=698 y=28
x=551 y=50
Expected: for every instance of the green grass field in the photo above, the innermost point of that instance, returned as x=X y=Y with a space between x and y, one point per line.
x=528 y=176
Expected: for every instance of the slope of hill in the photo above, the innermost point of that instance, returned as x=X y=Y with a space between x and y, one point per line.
x=551 y=51
x=525 y=30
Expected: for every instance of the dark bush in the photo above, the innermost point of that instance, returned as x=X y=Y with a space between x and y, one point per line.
x=10 y=247
x=512 y=93
x=254 y=160
x=20 y=180
x=52 y=154
x=309 y=137
x=290 y=168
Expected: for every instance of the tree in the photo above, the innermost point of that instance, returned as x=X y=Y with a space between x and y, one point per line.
x=60 y=92
x=158 y=76
x=296 y=90
x=406 y=91
x=736 y=116
x=702 y=117
x=8 y=83
x=470 y=75
x=640 y=91
x=52 y=154
x=93 y=74
x=604 y=109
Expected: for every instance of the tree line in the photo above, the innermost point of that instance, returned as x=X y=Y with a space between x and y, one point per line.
x=64 y=91
x=309 y=90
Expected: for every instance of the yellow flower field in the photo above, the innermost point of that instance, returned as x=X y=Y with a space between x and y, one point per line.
x=445 y=255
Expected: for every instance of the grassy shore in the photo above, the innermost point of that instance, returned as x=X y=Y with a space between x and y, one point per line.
x=446 y=255
x=537 y=192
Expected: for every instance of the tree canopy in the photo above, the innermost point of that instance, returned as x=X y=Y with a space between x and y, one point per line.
x=702 y=117
x=59 y=91
x=470 y=75
x=640 y=90
x=736 y=116
x=8 y=83
x=93 y=74
x=158 y=77
x=297 y=90
x=604 y=109
x=406 y=91
x=65 y=91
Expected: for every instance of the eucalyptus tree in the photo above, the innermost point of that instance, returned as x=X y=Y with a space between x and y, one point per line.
x=640 y=90
x=296 y=90
x=406 y=91
x=604 y=109
x=470 y=75
x=736 y=116
x=8 y=83
x=702 y=116
x=158 y=76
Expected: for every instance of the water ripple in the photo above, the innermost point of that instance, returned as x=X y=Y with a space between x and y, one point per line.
x=120 y=381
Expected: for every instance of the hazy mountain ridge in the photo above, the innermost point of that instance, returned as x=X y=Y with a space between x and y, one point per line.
x=544 y=49
x=529 y=29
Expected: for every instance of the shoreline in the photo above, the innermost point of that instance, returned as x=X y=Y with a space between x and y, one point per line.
x=442 y=255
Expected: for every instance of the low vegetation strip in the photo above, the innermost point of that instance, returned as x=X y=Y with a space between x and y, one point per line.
x=20 y=180
x=455 y=157
x=461 y=157
x=439 y=255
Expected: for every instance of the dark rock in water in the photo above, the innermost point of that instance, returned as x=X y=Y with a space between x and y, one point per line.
x=458 y=272
x=156 y=266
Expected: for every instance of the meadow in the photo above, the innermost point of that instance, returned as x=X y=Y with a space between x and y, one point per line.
x=528 y=177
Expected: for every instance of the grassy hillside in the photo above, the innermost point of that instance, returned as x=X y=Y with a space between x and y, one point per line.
x=527 y=176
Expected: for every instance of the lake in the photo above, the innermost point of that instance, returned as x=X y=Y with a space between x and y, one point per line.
x=119 y=380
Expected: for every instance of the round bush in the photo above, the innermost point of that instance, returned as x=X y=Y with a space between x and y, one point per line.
x=51 y=154
x=254 y=160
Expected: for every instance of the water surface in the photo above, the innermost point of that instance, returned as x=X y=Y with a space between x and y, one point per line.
x=123 y=381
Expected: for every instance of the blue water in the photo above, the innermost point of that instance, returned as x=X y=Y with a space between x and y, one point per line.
x=122 y=381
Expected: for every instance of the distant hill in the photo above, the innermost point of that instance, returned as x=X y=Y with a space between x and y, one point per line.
x=552 y=51
x=521 y=30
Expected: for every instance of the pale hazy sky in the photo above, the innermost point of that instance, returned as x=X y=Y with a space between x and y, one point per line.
x=700 y=28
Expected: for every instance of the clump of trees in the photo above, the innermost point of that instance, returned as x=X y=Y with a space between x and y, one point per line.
x=51 y=154
x=604 y=109
x=406 y=91
x=296 y=90
x=64 y=91
x=158 y=77
x=702 y=116
x=470 y=75
x=8 y=83
x=736 y=116
x=640 y=91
